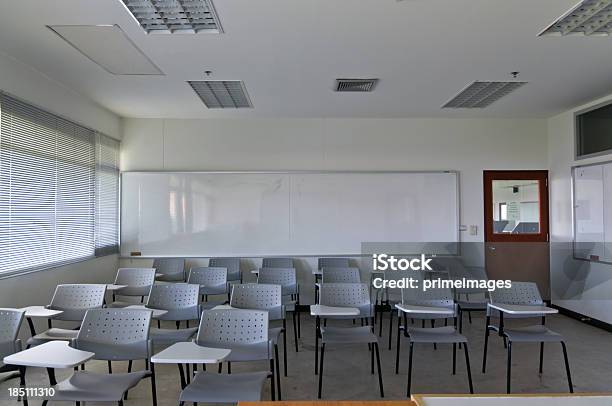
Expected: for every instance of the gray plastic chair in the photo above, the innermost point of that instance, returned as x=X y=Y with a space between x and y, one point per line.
x=354 y=295
x=441 y=298
x=10 y=323
x=231 y=264
x=286 y=277
x=275 y=262
x=468 y=304
x=328 y=262
x=264 y=297
x=245 y=333
x=340 y=275
x=182 y=302
x=137 y=281
x=171 y=269
x=113 y=335
x=212 y=280
x=73 y=300
x=522 y=293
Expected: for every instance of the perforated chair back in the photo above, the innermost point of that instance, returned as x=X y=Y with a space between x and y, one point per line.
x=333 y=263
x=436 y=297
x=181 y=300
x=236 y=329
x=286 y=277
x=395 y=294
x=347 y=295
x=208 y=276
x=75 y=299
x=231 y=264
x=277 y=263
x=172 y=269
x=521 y=293
x=340 y=275
x=137 y=281
x=115 y=334
x=259 y=297
x=469 y=273
x=10 y=323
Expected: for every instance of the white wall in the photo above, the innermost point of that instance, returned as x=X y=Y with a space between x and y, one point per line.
x=466 y=145
x=22 y=81
x=580 y=286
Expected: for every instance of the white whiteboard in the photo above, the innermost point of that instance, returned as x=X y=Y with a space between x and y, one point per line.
x=202 y=214
x=593 y=212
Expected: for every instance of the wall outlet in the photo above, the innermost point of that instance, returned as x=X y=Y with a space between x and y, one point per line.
x=473 y=230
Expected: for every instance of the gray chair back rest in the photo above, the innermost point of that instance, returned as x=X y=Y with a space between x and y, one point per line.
x=347 y=295
x=75 y=299
x=115 y=334
x=171 y=268
x=137 y=281
x=395 y=294
x=232 y=265
x=181 y=300
x=286 y=277
x=235 y=328
x=469 y=273
x=437 y=297
x=259 y=297
x=340 y=275
x=277 y=263
x=10 y=323
x=327 y=262
x=521 y=293
x=207 y=276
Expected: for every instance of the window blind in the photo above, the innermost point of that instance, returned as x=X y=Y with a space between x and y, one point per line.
x=50 y=188
x=107 y=196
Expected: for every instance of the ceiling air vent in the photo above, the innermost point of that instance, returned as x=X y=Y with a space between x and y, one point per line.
x=355 y=85
x=222 y=94
x=175 y=16
x=481 y=94
x=589 y=17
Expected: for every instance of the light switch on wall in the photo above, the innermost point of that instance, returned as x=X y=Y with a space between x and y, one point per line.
x=473 y=229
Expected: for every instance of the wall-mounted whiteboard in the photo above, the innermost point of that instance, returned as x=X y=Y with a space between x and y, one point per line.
x=203 y=214
x=593 y=212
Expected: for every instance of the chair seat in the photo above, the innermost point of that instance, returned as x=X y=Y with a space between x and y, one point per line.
x=435 y=335
x=53 y=334
x=170 y=336
x=212 y=304
x=250 y=352
x=466 y=305
x=222 y=388
x=89 y=386
x=171 y=277
x=121 y=304
x=536 y=333
x=348 y=335
x=214 y=290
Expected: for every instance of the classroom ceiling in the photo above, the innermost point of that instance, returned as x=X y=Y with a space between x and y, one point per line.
x=289 y=53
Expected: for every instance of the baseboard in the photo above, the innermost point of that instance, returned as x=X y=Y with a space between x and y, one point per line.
x=585 y=319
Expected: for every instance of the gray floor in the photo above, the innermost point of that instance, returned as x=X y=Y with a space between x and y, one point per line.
x=347 y=369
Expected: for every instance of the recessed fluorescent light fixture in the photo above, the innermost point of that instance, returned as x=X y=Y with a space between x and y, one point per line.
x=222 y=94
x=481 y=94
x=175 y=16
x=589 y=17
x=355 y=85
x=109 y=47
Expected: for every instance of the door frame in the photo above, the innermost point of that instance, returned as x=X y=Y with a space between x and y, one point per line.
x=539 y=175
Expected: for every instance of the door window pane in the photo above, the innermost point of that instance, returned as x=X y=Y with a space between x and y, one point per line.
x=516 y=207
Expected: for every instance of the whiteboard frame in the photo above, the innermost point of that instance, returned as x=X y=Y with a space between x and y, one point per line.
x=573 y=202
x=296 y=172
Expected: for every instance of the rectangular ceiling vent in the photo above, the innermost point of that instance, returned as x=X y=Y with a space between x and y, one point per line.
x=589 y=17
x=481 y=94
x=222 y=94
x=175 y=16
x=355 y=85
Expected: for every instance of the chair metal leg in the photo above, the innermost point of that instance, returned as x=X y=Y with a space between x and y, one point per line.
x=380 y=327
x=567 y=368
x=285 y=346
x=321 y=371
x=22 y=383
x=182 y=376
x=454 y=358
x=467 y=364
x=541 y=358
x=390 y=326
x=229 y=367
x=317 y=327
x=380 y=380
x=295 y=332
x=110 y=367
x=278 y=373
x=272 y=379
x=299 y=321
x=397 y=345
x=153 y=385
x=509 y=367
x=372 y=362
x=486 y=345
x=408 y=392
